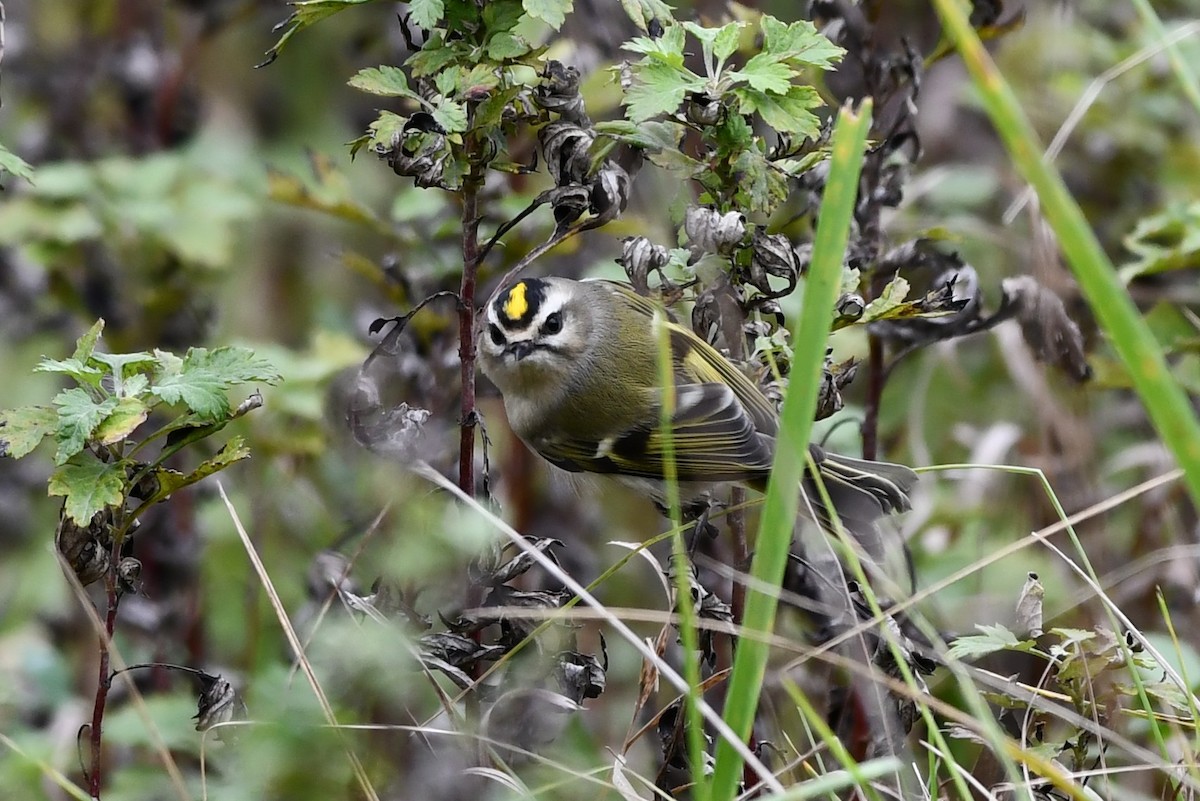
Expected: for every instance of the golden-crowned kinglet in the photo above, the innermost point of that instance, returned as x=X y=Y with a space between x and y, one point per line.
x=578 y=365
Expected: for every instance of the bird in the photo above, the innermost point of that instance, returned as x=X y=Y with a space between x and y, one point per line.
x=577 y=365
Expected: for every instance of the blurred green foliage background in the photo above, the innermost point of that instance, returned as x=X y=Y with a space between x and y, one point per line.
x=191 y=199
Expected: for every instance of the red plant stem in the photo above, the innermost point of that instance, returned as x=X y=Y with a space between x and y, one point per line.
x=741 y=553
x=466 y=323
x=466 y=357
x=876 y=378
x=104 y=681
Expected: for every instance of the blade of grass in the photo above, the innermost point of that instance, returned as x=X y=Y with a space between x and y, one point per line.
x=838 y=780
x=546 y=563
x=48 y=771
x=688 y=638
x=1089 y=97
x=1165 y=401
x=1183 y=70
x=837 y=749
x=783 y=497
x=360 y=773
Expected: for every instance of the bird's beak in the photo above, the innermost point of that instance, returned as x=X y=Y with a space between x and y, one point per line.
x=520 y=349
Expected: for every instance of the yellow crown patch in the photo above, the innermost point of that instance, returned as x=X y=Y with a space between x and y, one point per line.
x=517 y=304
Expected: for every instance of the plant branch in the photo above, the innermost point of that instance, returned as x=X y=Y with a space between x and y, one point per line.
x=466 y=318
x=877 y=376
x=538 y=201
x=95 y=774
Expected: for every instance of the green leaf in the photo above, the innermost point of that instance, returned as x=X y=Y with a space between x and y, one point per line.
x=446 y=81
x=994 y=638
x=766 y=73
x=1163 y=242
x=82 y=373
x=785 y=113
x=307 y=12
x=21 y=429
x=386 y=80
x=127 y=416
x=203 y=378
x=491 y=111
x=11 y=162
x=479 y=79
x=427 y=13
x=502 y=15
x=891 y=297
x=780 y=507
x=652 y=136
x=436 y=54
x=450 y=114
x=168 y=363
x=89 y=486
x=85 y=346
x=660 y=140
x=234 y=451
x=66 y=180
x=1165 y=691
x=643 y=11
x=551 y=12
x=119 y=363
x=795 y=167
x=26 y=220
x=759 y=187
x=135 y=385
x=1072 y=636
x=78 y=416
x=666 y=49
x=331 y=193
x=799 y=43
x=725 y=43
x=236 y=365
x=505 y=45
x=659 y=89
x=386 y=128
x=705 y=35
x=168 y=480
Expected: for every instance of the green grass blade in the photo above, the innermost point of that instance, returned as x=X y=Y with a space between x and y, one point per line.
x=1165 y=401
x=1183 y=70
x=782 y=502
x=689 y=638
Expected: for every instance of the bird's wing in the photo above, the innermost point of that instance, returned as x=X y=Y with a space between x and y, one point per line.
x=724 y=430
x=697 y=362
x=712 y=437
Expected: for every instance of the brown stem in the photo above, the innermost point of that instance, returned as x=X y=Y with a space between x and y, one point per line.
x=104 y=681
x=741 y=552
x=876 y=378
x=466 y=320
x=466 y=356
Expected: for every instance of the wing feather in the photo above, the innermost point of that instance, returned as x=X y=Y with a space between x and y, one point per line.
x=713 y=438
x=697 y=362
x=724 y=429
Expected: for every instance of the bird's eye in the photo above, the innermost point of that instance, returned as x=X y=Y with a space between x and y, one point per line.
x=496 y=334
x=553 y=324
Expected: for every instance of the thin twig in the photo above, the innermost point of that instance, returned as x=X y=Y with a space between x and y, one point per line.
x=665 y=670
x=289 y=633
x=540 y=200
x=1089 y=96
x=466 y=320
x=95 y=772
x=557 y=238
x=876 y=379
x=158 y=743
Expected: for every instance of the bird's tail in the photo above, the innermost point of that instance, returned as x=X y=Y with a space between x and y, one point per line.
x=861 y=491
